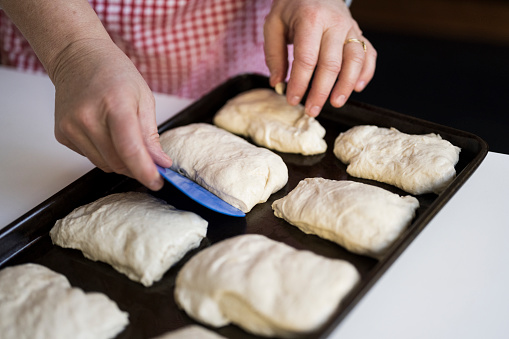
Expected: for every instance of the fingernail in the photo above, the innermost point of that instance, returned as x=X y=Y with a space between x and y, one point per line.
x=272 y=79
x=280 y=88
x=340 y=101
x=169 y=162
x=157 y=184
x=314 y=111
x=360 y=86
x=294 y=100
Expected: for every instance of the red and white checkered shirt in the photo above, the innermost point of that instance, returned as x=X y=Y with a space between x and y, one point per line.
x=181 y=47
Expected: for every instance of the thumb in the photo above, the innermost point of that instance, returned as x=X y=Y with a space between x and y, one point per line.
x=156 y=152
x=150 y=136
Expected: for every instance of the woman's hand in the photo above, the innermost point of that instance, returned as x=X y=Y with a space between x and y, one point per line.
x=105 y=111
x=319 y=30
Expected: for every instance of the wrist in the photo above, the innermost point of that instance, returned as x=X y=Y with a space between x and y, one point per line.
x=51 y=26
x=85 y=59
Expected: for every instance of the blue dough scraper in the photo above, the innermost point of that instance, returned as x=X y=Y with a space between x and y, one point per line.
x=198 y=193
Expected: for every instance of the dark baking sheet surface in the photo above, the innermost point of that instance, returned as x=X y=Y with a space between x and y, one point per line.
x=152 y=310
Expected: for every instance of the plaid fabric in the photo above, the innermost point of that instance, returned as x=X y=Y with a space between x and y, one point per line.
x=181 y=47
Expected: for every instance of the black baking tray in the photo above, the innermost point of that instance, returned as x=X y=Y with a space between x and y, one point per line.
x=152 y=310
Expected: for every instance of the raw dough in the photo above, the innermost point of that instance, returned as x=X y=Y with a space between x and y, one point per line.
x=417 y=164
x=136 y=233
x=362 y=218
x=238 y=172
x=267 y=118
x=264 y=286
x=191 y=332
x=38 y=303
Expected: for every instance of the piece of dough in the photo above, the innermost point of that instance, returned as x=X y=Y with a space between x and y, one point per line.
x=264 y=286
x=38 y=303
x=364 y=219
x=236 y=171
x=268 y=119
x=136 y=233
x=191 y=332
x=417 y=164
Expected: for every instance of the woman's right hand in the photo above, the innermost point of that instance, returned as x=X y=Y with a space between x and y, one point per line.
x=105 y=111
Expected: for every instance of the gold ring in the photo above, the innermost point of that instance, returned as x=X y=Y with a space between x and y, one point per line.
x=358 y=41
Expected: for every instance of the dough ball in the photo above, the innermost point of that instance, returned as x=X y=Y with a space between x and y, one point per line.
x=236 y=171
x=362 y=218
x=268 y=119
x=38 y=303
x=417 y=164
x=266 y=287
x=136 y=233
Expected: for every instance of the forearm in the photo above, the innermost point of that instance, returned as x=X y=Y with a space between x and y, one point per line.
x=52 y=27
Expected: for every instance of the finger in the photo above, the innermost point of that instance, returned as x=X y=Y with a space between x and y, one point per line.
x=368 y=70
x=99 y=136
x=62 y=139
x=353 y=62
x=306 y=48
x=275 y=49
x=327 y=70
x=149 y=133
x=128 y=142
x=91 y=136
x=71 y=136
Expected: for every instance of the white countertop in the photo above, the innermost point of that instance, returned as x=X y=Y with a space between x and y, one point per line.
x=451 y=282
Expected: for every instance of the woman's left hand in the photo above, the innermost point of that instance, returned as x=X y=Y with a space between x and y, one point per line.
x=328 y=48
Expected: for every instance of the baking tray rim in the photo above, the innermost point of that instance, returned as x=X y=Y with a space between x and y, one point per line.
x=359 y=291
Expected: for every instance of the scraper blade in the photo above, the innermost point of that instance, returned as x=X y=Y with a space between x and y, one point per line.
x=198 y=193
